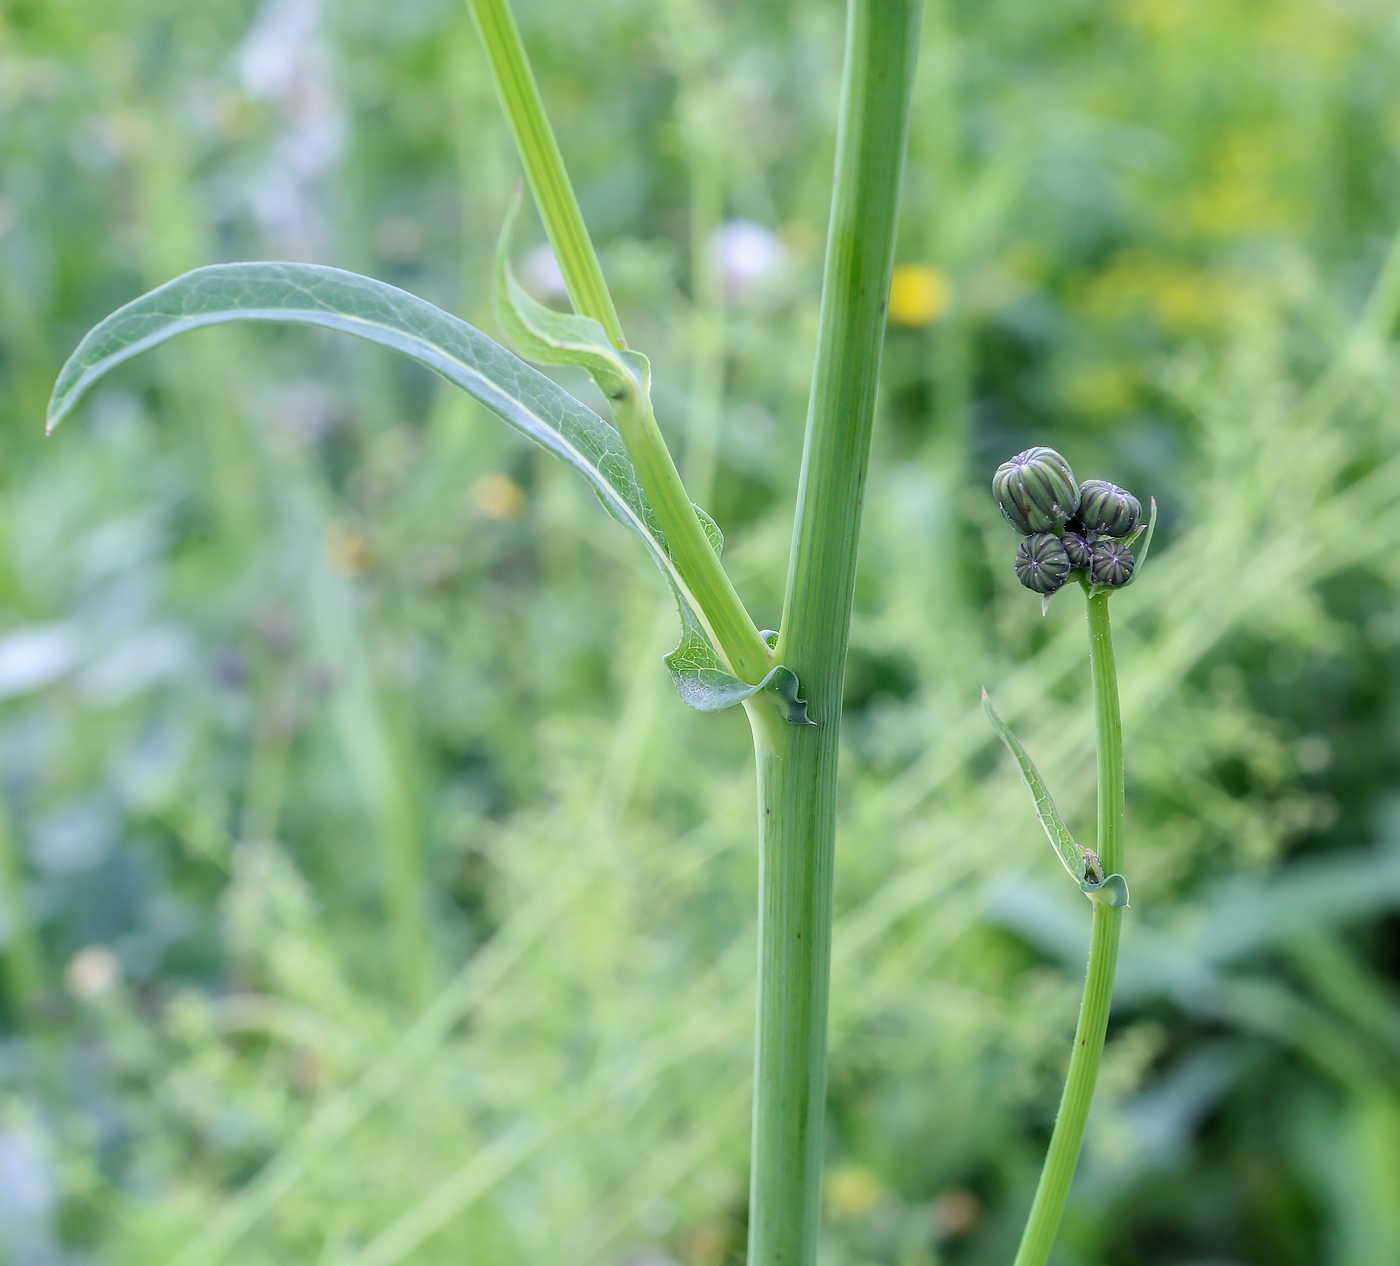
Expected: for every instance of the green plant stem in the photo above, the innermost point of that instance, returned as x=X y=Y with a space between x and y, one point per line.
x=1068 y=1137
x=696 y=560
x=733 y=627
x=797 y=764
x=544 y=165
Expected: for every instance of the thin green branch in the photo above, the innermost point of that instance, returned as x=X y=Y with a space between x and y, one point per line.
x=1068 y=1137
x=695 y=558
x=734 y=628
x=797 y=764
x=544 y=165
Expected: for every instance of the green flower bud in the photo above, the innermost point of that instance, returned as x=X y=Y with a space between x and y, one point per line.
x=1107 y=508
x=1111 y=563
x=1041 y=563
x=1036 y=491
x=1078 y=549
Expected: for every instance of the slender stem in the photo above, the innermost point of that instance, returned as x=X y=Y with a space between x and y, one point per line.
x=733 y=627
x=797 y=764
x=544 y=165
x=1068 y=1137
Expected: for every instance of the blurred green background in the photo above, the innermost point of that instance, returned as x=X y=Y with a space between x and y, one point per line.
x=368 y=895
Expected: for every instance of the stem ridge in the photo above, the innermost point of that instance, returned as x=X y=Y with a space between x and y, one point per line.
x=797 y=764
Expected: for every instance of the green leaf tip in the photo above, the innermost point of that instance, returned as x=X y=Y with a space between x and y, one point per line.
x=1082 y=865
x=548 y=337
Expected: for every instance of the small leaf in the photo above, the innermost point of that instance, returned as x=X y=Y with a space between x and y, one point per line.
x=1071 y=855
x=1082 y=865
x=1139 y=556
x=1147 y=540
x=711 y=529
x=1112 y=891
x=548 y=337
x=707 y=686
x=524 y=398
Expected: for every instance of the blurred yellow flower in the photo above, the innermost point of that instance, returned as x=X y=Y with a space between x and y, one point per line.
x=499 y=497
x=853 y=1191
x=350 y=551
x=1183 y=298
x=919 y=295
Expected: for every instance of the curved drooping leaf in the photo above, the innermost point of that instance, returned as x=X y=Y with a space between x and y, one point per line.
x=310 y=294
x=1083 y=866
x=561 y=338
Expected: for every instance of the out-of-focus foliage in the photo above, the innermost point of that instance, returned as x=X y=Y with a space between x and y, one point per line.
x=370 y=897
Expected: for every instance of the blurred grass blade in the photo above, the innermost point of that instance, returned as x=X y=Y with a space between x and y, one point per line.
x=1083 y=867
x=310 y=294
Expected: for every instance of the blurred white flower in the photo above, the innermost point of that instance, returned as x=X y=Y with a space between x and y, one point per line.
x=746 y=255
x=29 y=1196
x=541 y=275
x=283 y=61
x=35 y=656
x=91 y=972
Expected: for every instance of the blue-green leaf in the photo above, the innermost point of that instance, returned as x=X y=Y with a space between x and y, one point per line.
x=308 y=294
x=1082 y=865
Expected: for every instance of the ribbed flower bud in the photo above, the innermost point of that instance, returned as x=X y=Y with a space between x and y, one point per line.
x=1041 y=563
x=1078 y=549
x=1107 y=508
x=1036 y=491
x=1111 y=563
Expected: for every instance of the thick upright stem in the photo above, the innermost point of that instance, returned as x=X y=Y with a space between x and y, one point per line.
x=797 y=764
x=1068 y=1136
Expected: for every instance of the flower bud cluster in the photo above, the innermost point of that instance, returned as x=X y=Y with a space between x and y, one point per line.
x=1069 y=528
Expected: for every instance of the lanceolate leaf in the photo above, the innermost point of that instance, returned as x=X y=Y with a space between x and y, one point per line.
x=1082 y=865
x=523 y=397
